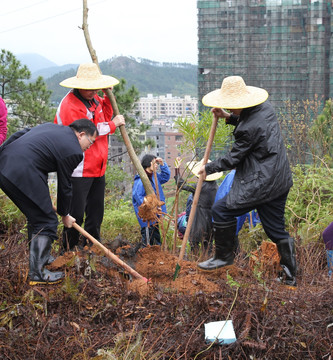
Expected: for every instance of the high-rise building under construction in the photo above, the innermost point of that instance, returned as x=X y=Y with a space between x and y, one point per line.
x=284 y=46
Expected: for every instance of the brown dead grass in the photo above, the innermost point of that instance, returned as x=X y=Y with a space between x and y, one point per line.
x=98 y=301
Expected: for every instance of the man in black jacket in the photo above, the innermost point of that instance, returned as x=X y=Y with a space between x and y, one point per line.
x=263 y=176
x=26 y=158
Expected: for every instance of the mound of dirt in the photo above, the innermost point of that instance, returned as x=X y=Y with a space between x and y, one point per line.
x=266 y=258
x=160 y=268
x=100 y=307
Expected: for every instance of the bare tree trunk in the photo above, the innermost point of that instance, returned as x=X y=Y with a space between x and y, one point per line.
x=136 y=162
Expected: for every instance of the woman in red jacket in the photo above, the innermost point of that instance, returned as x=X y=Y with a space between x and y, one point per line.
x=88 y=179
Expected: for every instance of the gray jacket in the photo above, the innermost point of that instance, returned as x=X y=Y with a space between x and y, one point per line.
x=258 y=154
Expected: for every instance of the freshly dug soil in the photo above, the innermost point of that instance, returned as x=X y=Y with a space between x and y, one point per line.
x=99 y=308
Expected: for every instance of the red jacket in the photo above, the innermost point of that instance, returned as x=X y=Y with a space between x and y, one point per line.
x=74 y=107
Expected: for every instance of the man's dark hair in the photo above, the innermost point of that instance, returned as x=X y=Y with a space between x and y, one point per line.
x=85 y=125
x=146 y=160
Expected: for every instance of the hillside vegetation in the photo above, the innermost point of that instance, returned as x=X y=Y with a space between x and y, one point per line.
x=147 y=76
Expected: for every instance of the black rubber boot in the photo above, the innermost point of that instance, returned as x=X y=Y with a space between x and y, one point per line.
x=30 y=234
x=70 y=238
x=237 y=247
x=225 y=246
x=50 y=260
x=286 y=248
x=40 y=248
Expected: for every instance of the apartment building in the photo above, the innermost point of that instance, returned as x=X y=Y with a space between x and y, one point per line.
x=284 y=46
x=166 y=107
x=160 y=112
x=167 y=141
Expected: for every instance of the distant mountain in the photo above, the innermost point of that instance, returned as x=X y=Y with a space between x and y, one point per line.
x=146 y=75
x=154 y=77
x=50 y=71
x=34 y=61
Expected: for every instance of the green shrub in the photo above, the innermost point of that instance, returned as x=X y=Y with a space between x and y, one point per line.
x=120 y=219
x=309 y=205
x=10 y=216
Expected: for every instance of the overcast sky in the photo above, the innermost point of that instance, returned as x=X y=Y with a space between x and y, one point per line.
x=159 y=30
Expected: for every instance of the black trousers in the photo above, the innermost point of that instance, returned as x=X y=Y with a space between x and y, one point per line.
x=88 y=200
x=39 y=221
x=271 y=215
x=151 y=235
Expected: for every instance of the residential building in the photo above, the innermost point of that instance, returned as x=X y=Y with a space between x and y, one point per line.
x=157 y=133
x=160 y=112
x=166 y=107
x=284 y=46
x=118 y=155
x=167 y=142
x=172 y=141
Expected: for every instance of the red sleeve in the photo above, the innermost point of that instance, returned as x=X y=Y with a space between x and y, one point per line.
x=69 y=110
x=108 y=112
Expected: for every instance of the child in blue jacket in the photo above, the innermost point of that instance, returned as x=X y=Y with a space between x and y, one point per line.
x=150 y=234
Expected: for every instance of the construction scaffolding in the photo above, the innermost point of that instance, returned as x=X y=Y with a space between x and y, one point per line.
x=284 y=46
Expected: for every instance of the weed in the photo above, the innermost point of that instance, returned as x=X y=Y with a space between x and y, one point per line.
x=70 y=288
x=128 y=346
x=11 y=217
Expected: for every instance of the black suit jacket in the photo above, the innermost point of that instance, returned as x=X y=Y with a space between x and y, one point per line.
x=28 y=156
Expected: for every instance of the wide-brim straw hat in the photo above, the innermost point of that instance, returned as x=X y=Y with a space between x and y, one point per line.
x=234 y=94
x=89 y=77
x=195 y=167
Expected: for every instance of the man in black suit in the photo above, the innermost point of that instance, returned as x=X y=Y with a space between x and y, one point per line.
x=26 y=158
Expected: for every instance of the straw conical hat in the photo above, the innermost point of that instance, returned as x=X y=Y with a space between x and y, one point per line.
x=234 y=94
x=195 y=167
x=89 y=77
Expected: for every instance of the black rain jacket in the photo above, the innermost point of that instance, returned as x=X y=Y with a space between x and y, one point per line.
x=259 y=156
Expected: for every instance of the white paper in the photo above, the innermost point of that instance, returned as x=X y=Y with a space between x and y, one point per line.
x=223 y=331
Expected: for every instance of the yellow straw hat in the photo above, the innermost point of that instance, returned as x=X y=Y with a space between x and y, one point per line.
x=195 y=167
x=234 y=94
x=89 y=77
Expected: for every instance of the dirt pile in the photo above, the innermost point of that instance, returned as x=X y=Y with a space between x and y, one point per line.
x=159 y=267
x=266 y=258
x=99 y=307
